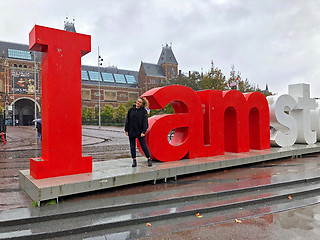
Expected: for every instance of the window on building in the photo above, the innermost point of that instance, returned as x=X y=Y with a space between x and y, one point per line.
x=153 y=81
x=131 y=79
x=20 y=66
x=15 y=65
x=107 y=77
x=84 y=75
x=25 y=66
x=94 y=76
x=119 y=78
x=14 y=53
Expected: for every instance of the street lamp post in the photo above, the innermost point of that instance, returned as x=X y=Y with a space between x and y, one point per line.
x=99 y=63
x=13 y=108
x=35 y=88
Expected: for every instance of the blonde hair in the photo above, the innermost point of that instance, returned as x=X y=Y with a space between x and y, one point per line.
x=145 y=102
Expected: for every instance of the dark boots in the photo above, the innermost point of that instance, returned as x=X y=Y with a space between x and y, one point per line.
x=134 y=163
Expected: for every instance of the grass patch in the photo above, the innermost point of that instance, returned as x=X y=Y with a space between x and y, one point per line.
x=43 y=203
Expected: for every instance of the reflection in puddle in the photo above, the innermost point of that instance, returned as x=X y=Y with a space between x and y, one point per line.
x=113 y=219
x=300 y=218
x=112 y=236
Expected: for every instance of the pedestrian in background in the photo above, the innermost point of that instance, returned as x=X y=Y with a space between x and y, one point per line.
x=39 y=130
x=136 y=127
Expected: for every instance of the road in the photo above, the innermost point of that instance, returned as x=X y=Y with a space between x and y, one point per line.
x=21 y=145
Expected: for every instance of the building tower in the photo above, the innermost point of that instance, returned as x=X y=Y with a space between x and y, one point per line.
x=69 y=26
x=168 y=62
x=154 y=75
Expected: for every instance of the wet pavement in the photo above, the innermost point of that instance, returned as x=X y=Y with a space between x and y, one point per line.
x=25 y=137
x=21 y=145
x=110 y=143
x=301 y=223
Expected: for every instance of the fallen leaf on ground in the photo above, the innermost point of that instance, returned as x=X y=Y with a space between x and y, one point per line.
x=148 y=224
x=289 y=197
x=237 y=221
x=198 y=215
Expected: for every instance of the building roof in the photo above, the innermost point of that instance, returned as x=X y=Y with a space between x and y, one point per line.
x=153 y=69
x=167 y=56
x=17 y=51
x=109 y=76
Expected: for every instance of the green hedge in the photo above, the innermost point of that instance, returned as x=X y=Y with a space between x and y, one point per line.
x=111 y=116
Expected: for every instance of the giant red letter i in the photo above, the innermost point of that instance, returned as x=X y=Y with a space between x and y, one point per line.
x=61 y=102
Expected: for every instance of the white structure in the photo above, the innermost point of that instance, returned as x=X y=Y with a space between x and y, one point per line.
x=290 y=117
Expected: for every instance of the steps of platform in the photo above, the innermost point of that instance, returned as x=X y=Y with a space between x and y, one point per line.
x=220 y=187
x=159 y=228
x=248 y=198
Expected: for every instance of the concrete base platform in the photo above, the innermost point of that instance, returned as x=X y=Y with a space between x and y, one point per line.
x=114 y=173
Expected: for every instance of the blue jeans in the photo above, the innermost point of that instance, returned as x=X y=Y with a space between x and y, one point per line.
x=143 y=145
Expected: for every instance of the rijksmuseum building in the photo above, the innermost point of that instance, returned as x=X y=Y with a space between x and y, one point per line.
x=20 y=80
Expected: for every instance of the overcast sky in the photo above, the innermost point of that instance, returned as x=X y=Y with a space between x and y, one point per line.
x=268 y=41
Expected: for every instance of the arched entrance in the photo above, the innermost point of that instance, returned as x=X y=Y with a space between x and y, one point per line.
x=24 y=110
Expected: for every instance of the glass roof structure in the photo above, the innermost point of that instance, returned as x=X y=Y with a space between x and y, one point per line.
x=84 y=75
x=14 y=53
x=94 y=76
x=131 y=79
x=107 y=77
x=119 y=78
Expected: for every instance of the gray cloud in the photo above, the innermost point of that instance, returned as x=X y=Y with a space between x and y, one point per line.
x=274 y=41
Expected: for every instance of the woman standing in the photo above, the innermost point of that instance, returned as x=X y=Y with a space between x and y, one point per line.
x=136 y=127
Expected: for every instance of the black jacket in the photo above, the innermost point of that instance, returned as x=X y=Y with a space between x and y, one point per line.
x=136 y=122
x=39 y=126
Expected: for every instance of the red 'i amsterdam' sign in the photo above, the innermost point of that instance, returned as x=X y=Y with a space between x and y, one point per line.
x=206 y=123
